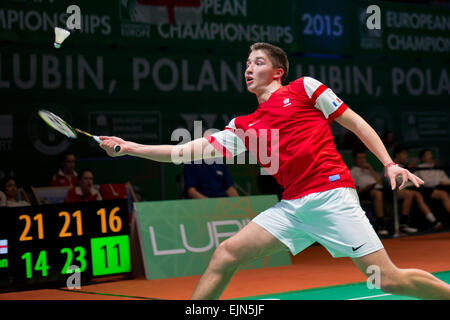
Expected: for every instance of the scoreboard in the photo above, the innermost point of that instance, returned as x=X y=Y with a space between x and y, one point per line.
x=45 y=245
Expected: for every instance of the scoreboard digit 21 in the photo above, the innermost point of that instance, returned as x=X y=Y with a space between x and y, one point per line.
x=43 y=245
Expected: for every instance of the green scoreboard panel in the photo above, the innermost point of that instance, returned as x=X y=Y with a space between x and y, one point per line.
x=45 y=245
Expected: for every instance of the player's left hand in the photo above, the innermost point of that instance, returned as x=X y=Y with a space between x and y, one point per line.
x=395 y=170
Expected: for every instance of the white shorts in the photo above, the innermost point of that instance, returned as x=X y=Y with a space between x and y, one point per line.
x=333 y=218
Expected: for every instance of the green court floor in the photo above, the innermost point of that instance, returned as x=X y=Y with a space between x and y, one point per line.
x=353 y=291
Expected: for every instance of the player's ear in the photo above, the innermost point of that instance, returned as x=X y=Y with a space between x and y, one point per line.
x=278 y=73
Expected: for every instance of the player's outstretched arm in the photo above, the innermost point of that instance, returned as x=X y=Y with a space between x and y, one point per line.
x=191 y=151
x=353 y=122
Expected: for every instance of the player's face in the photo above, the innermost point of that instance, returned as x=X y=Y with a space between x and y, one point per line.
x=259 y=72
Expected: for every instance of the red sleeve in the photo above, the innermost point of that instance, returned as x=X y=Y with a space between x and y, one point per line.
x=216 y=144
x=337 y=113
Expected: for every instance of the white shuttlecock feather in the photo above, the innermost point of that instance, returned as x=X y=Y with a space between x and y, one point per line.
x=60 y=36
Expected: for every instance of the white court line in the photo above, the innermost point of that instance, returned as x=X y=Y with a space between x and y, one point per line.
x=379 y=295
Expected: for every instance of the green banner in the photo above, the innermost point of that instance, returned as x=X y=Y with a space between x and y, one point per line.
x=106 y=97
x=179 y=237
x=167 y=81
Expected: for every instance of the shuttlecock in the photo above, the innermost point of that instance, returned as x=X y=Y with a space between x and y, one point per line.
x=60 y=36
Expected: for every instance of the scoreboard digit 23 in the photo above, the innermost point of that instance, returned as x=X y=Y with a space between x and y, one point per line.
x=43 y=245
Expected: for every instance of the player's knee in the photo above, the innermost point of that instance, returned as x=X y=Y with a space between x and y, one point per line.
x=225 y=256
x=392 y=283
x=388 y=285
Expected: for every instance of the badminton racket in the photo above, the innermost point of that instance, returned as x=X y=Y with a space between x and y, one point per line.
x=58 y=124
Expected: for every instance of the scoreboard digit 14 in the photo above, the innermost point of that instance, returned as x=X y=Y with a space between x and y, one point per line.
x=44 y=245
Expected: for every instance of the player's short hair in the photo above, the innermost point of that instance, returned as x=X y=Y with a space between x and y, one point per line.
x=276 y=55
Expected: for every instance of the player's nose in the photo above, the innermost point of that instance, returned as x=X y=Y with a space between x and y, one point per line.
x=249 y=69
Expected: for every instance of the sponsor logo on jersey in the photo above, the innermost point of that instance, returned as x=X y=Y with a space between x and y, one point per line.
x=286 y=102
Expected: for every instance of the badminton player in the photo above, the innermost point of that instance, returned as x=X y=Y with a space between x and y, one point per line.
x=319 y=203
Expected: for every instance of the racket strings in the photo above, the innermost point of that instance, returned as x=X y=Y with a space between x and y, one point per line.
x=57 y=123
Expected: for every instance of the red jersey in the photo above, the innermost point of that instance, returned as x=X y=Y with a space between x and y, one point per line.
x=290 y=137
x=61 y=180
x=76 y=195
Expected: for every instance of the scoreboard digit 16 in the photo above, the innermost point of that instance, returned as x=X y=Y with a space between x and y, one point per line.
x=44 y=245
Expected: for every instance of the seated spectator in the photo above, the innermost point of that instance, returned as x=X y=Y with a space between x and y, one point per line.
x=369 y=187
x=388 y=141
x=85 y=190
x=410 y=195
x=9 y=189
x=436 y=182
x=66 y=175
x=2 y=199
x=203 y=180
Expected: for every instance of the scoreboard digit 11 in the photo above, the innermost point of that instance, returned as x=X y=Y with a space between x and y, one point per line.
x=44 y=245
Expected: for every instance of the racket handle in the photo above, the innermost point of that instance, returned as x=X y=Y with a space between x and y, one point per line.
x=116 y=147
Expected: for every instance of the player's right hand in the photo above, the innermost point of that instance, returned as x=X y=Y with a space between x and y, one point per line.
x=108 y=144
x=393 y=171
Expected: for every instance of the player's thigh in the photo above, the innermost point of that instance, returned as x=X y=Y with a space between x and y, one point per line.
x=252 y=242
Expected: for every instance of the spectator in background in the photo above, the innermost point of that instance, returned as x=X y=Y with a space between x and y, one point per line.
x=437 y=183
x=2 y=199
x=84 y=190
x=388 y=140
x=202 y=180
x=66 y=175
x=369 y=186
x=9 y=188
x=409 y=195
